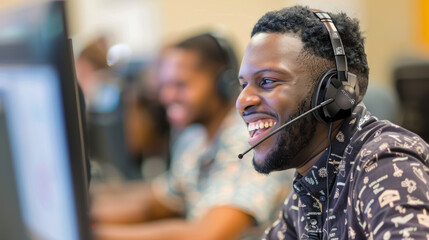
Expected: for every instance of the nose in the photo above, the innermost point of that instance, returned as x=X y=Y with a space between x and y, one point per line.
x=247 y=98
x=168 y=95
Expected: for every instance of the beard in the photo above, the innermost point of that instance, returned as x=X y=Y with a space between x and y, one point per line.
x=290 y=142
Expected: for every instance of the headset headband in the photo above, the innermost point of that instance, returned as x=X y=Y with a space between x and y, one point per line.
x=226 y=48
x=337 y=44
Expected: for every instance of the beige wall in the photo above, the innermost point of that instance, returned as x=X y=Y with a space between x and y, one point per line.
x=391 y=27
x=174 y=19
x=237 y=17
x=392 y=32
x=8 y=3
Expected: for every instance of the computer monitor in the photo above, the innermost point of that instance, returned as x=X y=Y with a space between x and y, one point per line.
x=43 y=175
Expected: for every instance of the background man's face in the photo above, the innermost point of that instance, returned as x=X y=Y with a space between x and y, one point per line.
x=276 y=88
x=186 y=88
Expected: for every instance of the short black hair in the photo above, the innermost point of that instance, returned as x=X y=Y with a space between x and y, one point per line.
x=216 y=54
x=207 y=48
x=301 y=21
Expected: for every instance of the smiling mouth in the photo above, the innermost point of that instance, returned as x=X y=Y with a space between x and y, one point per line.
x=259 y=127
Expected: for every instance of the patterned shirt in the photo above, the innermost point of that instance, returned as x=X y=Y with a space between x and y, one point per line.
x=208 y=174
x=378 y=187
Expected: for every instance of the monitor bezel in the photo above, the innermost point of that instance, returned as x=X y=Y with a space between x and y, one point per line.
x=73 y=106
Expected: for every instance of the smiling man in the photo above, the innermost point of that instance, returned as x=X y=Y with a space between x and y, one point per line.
x=357 y=177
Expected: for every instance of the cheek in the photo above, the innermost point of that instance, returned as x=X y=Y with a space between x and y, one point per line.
x=164 y=95
x=284 y=101
x=201 y=90
x=192 y=96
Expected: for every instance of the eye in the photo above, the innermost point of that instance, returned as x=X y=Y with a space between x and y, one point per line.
x=266 y=83
x=243 y=85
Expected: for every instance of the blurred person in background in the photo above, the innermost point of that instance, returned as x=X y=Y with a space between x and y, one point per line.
x=147 y=131
x=104 y=92
x=208 y=193
x=92 y=69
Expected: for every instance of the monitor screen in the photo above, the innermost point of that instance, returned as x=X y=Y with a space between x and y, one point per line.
x=37 y=138
x=43 y=135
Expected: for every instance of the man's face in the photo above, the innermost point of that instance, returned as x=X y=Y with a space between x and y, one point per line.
x=187 y=90
x=276 y=88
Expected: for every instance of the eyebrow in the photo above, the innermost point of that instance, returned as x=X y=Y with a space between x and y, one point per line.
x=266 y=70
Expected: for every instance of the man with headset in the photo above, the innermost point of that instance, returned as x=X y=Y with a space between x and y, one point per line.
x=356 y=177
x=219 y=195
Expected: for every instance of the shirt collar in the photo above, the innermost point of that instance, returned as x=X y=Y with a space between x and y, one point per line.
x=315 y=181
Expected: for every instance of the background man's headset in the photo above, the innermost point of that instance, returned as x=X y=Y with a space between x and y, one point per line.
x=227 y=83
x=336 y=83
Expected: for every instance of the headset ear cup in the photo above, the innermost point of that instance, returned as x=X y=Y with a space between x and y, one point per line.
x=222 y=88
x=319 y=95
x=227 y=82
x=227 y=85
x=343 y=93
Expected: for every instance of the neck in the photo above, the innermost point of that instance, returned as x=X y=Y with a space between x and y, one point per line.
x=213 y=124
x=317 y=146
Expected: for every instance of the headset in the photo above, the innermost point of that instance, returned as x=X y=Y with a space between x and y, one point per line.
x=227 y=83
x=336 y=83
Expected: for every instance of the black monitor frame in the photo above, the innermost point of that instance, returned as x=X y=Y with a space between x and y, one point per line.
x=20 y=53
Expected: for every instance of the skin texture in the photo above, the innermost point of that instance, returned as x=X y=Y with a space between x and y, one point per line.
x=127 y=212
x=188 y=91
x=277 y=86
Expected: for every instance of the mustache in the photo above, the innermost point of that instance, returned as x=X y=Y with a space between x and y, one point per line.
x=251 y=112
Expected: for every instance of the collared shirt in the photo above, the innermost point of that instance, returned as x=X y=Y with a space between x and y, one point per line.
x=378 y=181
x=206 y=174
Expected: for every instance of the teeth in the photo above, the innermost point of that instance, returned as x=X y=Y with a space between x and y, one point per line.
x=260 y=125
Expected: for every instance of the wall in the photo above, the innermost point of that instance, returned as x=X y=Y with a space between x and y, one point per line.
x=393 y=28
x=169 y=19
x=236 y=17
x=4 y=4
x=392 y=32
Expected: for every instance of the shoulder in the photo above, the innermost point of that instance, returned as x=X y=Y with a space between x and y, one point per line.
x=233 y=128
x=390 y=180
x=189 y=136
x=233 y=138
x=383 y=140
x=392 y=158
x=389 y=157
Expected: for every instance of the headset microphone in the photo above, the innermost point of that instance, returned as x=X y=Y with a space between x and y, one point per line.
x=322 y=104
